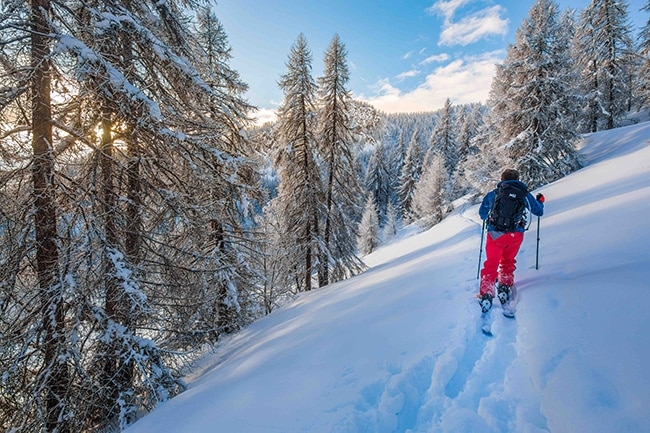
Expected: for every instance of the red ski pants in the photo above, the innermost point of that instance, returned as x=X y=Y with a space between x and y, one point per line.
x=500 y=260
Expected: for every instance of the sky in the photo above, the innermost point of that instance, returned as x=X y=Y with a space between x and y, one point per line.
x=404 y=55
x=398 y=348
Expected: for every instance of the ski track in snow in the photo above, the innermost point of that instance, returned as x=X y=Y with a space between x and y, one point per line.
x=462 y=388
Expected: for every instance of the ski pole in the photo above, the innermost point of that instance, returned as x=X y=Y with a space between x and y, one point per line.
x=480 y=252
x=537 y=252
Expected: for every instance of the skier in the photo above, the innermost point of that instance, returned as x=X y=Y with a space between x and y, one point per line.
x=503 y=209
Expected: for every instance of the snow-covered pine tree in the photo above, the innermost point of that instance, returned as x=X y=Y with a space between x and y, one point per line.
x=390 y=226
x=368 y=237
x=430 y=198
x=409 y=175
x=643 y=75
x=340 y=181
x=300 y=194
x=483 y=168
x=400 y=151
x=470 y=121
x=396 y=156
x=443 y=138
x=532 y=110
x=378 y=178
x=470 y=124
x=603 y=46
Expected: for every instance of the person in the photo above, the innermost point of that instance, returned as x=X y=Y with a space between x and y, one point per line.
x=501 y=247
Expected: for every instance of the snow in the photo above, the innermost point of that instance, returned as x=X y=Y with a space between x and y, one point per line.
x=90 y=61
x=399 y=349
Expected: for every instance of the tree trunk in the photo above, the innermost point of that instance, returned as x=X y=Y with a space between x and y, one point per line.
x=323 y=274
x=223 y=310
x=56 y=375
x=594 y=111
x=111 y=303
x=133 y=240
x=118 y=369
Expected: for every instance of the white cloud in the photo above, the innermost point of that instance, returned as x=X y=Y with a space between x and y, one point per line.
x=474 y=27
x=462 y=81
x=408 y=74
x=447 y=8
x=469 y=28
x=435 y=58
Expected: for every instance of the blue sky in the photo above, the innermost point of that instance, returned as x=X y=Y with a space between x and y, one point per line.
x=404 y=55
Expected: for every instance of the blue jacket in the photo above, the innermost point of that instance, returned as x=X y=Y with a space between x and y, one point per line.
x=534 y=206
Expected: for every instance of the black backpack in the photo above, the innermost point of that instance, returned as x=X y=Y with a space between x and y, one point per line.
x=509 y=207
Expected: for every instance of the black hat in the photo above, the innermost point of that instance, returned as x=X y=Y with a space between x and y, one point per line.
x=510 y=174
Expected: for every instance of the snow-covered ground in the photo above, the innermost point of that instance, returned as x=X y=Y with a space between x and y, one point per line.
x=398 y=348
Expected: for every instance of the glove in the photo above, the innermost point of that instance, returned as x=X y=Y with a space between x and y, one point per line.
x=540 y=198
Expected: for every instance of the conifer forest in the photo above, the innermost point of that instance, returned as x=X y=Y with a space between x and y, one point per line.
x=144 y=213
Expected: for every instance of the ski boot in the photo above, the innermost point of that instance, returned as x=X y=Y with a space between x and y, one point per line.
x=503 y=293
x=485 y=301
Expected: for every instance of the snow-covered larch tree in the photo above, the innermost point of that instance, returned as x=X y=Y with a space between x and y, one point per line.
x=136 y=129
x=603 y=46
x=532 y=108
x=300 y=193
x=53 y=382
x=230 y=185
x=341 y=182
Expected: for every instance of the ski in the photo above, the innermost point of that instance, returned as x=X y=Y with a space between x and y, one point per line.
x=485 y=302
x=486 y=323
x=509 y=308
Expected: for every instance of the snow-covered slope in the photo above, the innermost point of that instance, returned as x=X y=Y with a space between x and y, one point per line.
x=398 y=348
